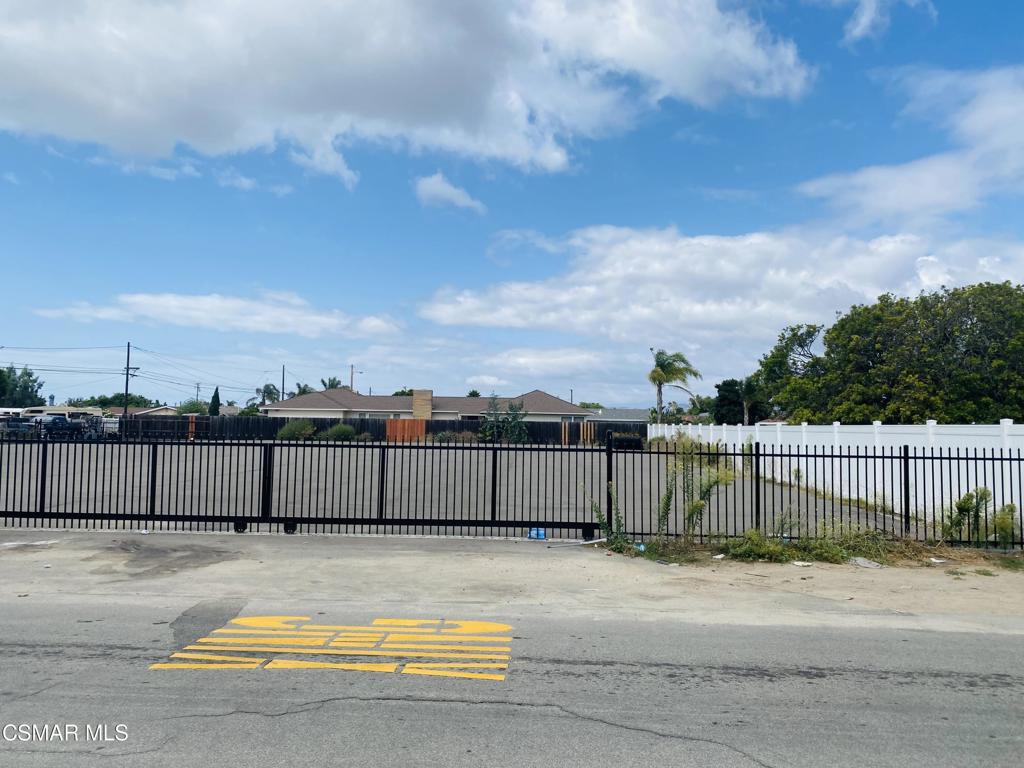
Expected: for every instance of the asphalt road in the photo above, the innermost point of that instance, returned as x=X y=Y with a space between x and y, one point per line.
x=612 y=662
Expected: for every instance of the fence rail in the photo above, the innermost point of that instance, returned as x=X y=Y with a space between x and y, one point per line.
x=480 y=489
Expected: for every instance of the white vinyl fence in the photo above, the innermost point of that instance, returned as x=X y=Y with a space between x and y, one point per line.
x=919 y=469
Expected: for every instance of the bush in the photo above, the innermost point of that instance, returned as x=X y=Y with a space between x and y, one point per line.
x=1005 y=524
x=339 y=433
x=445 y=436
x=466 y=436
x=300 y=429
x=754 y=546
x=364 y=437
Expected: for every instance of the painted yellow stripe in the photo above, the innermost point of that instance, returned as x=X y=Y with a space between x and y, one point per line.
x=266 y=640
x=354 y=666
x=216 y=657
x=451 y=673
x=440 y=647
x=450 y=626
x=352 y=628
x=348 y=652
x=210 y=665
x=450 y=638
x=464 y=665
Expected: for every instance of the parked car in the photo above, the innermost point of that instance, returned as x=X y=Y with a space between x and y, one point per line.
x=17 y=427
x=59 y=427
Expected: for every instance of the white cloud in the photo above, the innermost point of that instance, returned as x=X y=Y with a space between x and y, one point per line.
x=982 y=112
x=278 y=312
x=871 y=18
x=10 y=177
x=282 y=190
x=436 y=190
x=546 y=362
x=171 y=171
x=486 y=380
x=514 y=82
x=230 y=177
x=724 y=299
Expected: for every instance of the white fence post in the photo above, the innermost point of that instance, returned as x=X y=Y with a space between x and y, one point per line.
x=1004 y=427
x=876 y=425
x=835 y=434
x=778 y=433
x=803 y=433
x=930 y=423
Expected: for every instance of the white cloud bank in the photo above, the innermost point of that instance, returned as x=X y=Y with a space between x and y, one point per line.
x=645 y=287
x=279 y=312
x=436 y=190
x=982 y=112
x=513 y=82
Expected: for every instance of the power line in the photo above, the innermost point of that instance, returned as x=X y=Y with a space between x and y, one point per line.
x=6 y=346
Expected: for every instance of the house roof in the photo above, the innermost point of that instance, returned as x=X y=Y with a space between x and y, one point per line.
x=536 y=401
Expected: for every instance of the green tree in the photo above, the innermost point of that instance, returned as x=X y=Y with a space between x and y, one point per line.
x=955 y=355
x=513 y=425
x=268 y=393
x=591 y=406
x=672 y=370
x=332 y=382
x=473 y=393
x=20 y=389
x=214 y=409
x=114 y=401
x=192 y=406
x=490 y=429
x=302 y=389
x=404 y=392
x=728 y=403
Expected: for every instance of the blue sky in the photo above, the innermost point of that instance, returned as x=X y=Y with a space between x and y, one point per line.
x=504 y=196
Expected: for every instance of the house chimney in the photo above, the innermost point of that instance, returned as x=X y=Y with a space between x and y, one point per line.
x=422 y=403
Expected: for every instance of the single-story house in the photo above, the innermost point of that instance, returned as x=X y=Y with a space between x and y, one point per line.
x=621 y=414
x=139 y=410
x=422 y=404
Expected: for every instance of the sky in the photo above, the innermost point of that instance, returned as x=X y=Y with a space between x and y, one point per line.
x=506 y=196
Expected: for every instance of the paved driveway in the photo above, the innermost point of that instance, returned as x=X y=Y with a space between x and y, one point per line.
x=185 y=650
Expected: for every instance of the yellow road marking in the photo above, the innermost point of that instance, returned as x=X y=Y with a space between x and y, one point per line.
x=423 y=669
x=452 y=638
x=468 y=649
x=354 y=666
x=215 y=657
x=451 y=627
x=347 y=652
x=211 y=665
x=266 y=640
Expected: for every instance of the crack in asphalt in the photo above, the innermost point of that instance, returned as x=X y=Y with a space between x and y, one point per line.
x=34 y=693
x=316 y=704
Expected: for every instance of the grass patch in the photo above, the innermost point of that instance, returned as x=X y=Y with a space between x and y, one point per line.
x=1009 y=562
x=984 y=572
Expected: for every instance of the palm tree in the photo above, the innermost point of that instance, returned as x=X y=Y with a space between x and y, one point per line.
x=331 y=383
x=670 y=370
x=266 y=393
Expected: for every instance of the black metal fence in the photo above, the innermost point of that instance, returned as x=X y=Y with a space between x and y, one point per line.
x=479 y=489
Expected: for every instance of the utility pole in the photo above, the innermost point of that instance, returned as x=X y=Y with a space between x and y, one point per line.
x=352 y=377
x=570 y=396
x=197 y=391
x=281 y=393
x=127 y=372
